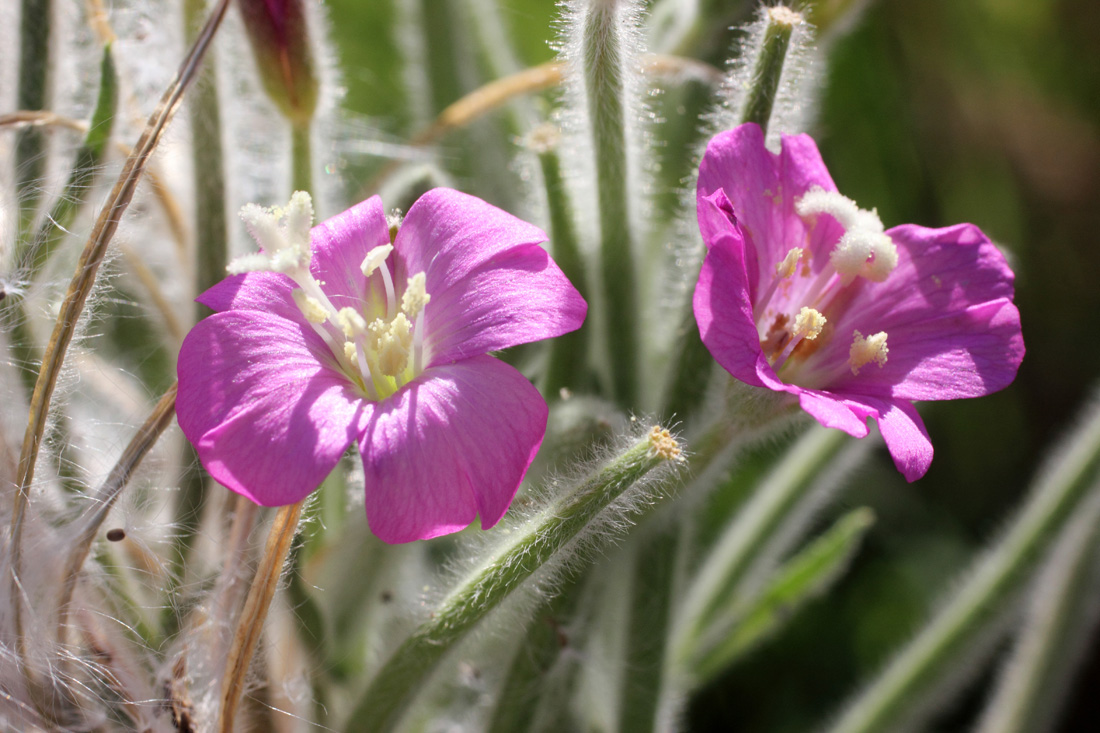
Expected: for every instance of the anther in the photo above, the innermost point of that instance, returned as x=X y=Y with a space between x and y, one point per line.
x=807 y=324
x=311 y=308
x=787 y=267
x=867 y=350
x=350 y=322
x=416 y=295
x=375 y=258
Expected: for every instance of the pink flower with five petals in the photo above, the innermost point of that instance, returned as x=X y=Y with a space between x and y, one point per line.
x=334 y=335
x=803 y=292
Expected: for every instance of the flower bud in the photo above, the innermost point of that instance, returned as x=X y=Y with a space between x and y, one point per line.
x=280 y=43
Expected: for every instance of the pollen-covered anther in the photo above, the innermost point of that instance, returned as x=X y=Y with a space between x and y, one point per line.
x=807 y=324
x=787 y=267
x=311 y=308
x=663 y=445
x=866 y=350
x=394 y=344
x=350 y=352
x=416 y=295
x=375 y=258
x=350 y=322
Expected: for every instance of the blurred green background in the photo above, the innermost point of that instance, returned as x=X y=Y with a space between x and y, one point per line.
x=935 y=112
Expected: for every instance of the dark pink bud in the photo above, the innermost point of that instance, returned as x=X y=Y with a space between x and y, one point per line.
x=280 y=42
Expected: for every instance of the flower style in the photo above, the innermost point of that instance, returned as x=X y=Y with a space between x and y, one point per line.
x=335 y=334
x=803 y=292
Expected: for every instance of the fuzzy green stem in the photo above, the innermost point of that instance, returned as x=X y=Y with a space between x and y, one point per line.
x=211 y=231
x=34 y=64
x=729 y=561
x=301 y=158
x=605 y=73
x=769 y=66
x=525 y=550
x=951 y=634
x=568 y=353
x=693 y=363
x=1063 y=599
x=654 y=588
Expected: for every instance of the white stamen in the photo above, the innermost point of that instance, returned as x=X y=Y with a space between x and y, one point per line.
x=311 y=307
x=865 y=350
x=808 y=324
x=787 y=267
x=375 y=258
x=394 y=346
x=299 y=219
x=351 y=323
x=255 y=262
x=864 y=250
x=416 y=295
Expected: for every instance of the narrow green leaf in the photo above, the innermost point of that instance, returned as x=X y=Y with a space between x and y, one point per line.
x=805 y=576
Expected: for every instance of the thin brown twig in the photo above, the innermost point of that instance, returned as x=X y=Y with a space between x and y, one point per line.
x=173 y=212
x=251 y=621
x=79 y=288
x=140 y=445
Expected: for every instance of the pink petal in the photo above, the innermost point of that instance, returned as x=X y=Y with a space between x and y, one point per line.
x=491 y=285
x=906 y=437
x=258 y=291
x=515 y=297
x=454 y=443
x=723 y=306
x=339 y=246
x=763 y=187
x=833 y=411
x=269 y=420
x=952 y=329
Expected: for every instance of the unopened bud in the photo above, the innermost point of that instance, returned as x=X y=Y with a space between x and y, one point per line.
x=280 y=43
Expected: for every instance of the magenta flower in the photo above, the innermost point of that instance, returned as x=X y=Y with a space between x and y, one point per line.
x=334 y=335
x=803 y=292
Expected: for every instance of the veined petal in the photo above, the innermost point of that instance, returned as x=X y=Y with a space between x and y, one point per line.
x=339 y=246
x=448 y=234
x=952 y=329
x=453 y=444
x=259 y=291
x=724 y=309
x=515 y=297
x=268 y=419
x=763 y=188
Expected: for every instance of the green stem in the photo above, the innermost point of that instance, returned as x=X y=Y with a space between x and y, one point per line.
x=730 y=560
x=1062 y=612
x=34 y=65
x=693 y=364
x=769 y=66
x=301 y=157
x=912 y=677
x=526 y=549
x=604 y=71
x=568 y=353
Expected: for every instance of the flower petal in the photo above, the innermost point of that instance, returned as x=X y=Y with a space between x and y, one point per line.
x=259 y=291
x=906 y=437
x=339 y=246
x=491 y=285
x=833 y=411
x=515 y=297
x=723 y=306
x=267 y=418
x=763 y=188
x=952 y=329
x=454 y=443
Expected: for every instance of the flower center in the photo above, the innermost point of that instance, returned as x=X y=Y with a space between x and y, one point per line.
x=378 y=344
x=794 y=313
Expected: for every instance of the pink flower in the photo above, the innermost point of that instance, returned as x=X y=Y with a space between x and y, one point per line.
x=803 y=292
x=332 y=336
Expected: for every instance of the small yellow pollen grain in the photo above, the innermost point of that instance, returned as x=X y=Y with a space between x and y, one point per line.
x=375 y=258
x=351 y=323
x=808 y=324
x=787 y=267
x=311 y=308
x=416 y=295
x=663 y=445
x=865 y=350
